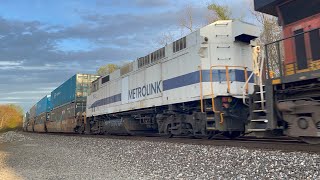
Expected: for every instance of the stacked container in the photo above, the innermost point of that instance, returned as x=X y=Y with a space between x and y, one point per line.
x=32 y=117
x=44 y=105
x=43 y=109
x=70 y=97
x=26 y=121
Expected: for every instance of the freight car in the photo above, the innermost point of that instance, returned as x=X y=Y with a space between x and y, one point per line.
x=191 y=87
x=31 y=118
x=43 y=108
x=288 y=103
x=25 y=121
x=69 y=104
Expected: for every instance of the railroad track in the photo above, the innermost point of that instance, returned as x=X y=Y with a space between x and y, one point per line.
x=279 y=144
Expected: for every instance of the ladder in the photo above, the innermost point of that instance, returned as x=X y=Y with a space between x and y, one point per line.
x=258 y=121
x=210 y=126
x=258 y=115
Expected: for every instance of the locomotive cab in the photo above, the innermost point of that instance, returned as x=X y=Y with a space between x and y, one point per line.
x=293 y=71
x=303 y=49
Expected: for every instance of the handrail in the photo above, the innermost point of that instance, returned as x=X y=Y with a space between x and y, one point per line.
x=211 y=84
x=281 y=62
x=243 y=91
x=227 y=79
x=201 y=95
x=261 y=84
x=291 y=36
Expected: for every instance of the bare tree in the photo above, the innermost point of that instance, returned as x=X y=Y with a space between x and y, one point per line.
x=270 y=32
x=165 y=38
x=186 y=21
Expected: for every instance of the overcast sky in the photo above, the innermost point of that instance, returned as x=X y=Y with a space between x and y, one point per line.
x=43 y=43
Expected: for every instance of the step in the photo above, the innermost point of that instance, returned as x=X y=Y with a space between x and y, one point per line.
x=259 y=110
x=259 y=92
x=210 y=118
x=257 y=130
x=211 y=128
x=260 y=101
x=259 y=120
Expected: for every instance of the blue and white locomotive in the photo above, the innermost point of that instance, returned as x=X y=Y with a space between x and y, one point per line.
x=193 y=86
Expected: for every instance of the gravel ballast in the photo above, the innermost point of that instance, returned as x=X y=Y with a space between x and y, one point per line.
x=41 y=156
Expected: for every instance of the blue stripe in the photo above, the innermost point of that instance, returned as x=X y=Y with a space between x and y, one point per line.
x=108 y=100
x=185 y=80
x=194 y=77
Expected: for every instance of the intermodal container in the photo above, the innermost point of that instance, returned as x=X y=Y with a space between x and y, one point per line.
x=44 y=105
x=33 y=111
x=75 y=89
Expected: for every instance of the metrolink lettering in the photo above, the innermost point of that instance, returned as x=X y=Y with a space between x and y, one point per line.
x=146 y=90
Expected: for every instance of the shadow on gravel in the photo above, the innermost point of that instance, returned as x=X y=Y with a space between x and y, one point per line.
x=6 y=172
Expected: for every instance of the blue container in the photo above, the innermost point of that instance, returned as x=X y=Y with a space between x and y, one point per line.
x=74 y=89
x=44 y=105
x=65 y=93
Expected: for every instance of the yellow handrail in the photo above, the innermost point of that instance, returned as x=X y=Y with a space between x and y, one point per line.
x=246 y=78
x=201 y=96
x=211 y=84
x=228 y=81
x=221 y=118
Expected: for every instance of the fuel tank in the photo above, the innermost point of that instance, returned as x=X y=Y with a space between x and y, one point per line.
x=126 y=126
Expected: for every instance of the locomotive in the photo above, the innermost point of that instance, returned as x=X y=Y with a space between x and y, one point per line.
x=288 y=101
x=191 y=87
x=210 y=82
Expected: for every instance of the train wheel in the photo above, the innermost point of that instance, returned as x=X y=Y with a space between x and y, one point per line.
x=168 y=131
x=311 y=140
x=232 y=135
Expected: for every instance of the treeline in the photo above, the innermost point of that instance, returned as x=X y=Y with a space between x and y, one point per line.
x=11 y=117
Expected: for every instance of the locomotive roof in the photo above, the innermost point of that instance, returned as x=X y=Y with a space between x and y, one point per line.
x=267 y=6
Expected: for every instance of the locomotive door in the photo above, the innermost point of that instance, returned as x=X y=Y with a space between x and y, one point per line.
x=301 y=56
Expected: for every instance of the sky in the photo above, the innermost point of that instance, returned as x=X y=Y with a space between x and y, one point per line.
x=43 y=43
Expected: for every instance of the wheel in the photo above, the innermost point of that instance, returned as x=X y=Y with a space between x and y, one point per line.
x=232 y=135
x=168 y=133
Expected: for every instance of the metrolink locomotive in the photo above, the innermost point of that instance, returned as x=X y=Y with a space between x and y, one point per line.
x=210 y=82
x=192 y=86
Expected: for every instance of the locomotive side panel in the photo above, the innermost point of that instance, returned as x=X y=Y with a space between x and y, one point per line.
x=106 y=99
x=181 y=73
